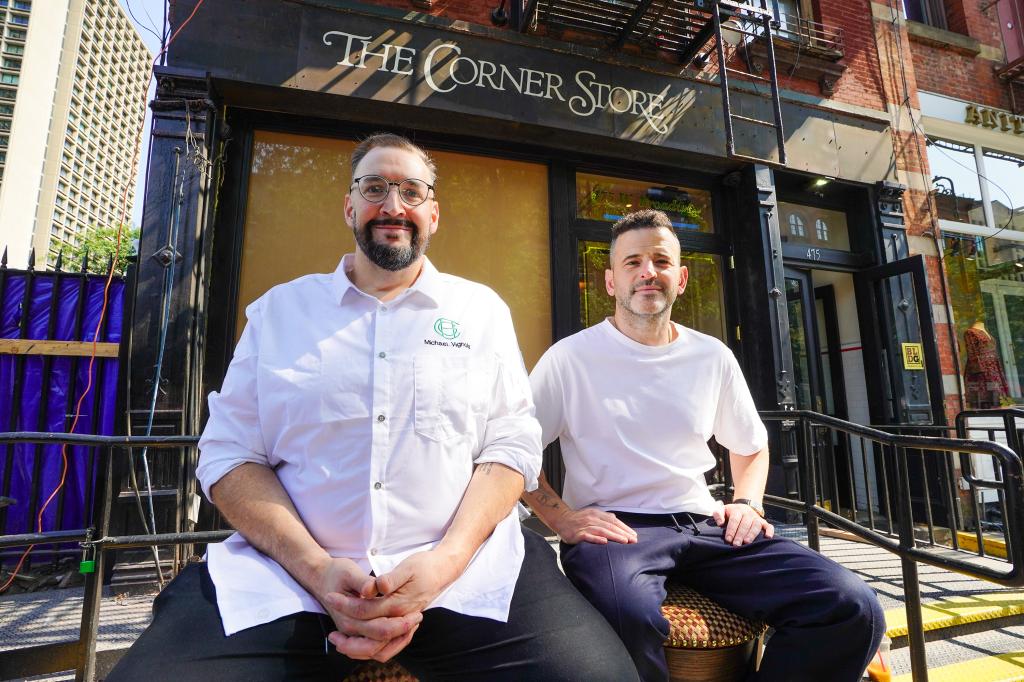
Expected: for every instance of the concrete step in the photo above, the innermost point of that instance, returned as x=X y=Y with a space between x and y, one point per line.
x=981 y=657
x=1001 y=668
x=959 y=615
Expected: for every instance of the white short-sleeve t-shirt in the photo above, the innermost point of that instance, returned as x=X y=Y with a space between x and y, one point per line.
x=633 y=421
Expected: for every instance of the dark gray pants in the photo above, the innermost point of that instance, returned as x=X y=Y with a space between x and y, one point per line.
x=827 y=621
x=552 y=634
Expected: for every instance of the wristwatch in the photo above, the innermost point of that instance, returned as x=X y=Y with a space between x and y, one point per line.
x=750 y=503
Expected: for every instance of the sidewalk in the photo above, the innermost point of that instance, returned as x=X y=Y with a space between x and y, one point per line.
x=40 y=618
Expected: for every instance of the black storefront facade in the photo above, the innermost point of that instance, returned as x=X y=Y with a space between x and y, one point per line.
x=802 y=270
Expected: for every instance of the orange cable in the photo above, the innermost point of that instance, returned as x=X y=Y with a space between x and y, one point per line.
x=99 y=322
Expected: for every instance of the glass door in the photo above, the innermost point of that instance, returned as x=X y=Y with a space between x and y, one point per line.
x=808 y=391
x=813 y=385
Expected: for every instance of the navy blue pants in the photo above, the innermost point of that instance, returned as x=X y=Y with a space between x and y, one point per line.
x=827 y=621
x=552 y=635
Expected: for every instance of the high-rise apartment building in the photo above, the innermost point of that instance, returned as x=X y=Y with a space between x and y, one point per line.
x=73 y=81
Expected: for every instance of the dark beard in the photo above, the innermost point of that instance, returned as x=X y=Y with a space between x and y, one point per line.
x=384 y=256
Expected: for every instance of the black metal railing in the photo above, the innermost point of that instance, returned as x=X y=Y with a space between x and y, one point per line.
x=886 y=489
x=983 y=482
x=93 y=541
x=880 y=507
x=812 y=37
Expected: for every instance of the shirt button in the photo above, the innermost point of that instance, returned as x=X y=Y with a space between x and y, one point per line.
x=373 y=551
x=383 y=308
x=378 y=485
x=382 y=355
x=380 y=417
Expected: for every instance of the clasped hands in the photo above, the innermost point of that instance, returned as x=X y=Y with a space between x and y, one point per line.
x=377 y=617
x=742 y=526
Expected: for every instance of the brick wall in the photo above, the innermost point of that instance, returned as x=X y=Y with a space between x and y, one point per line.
x=954 y=74
x=859 y=84
x=954 y=71
x=947 y=70
x=474 y=11
x=972 y=18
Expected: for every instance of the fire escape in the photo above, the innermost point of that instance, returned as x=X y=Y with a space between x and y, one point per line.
x=687 y=31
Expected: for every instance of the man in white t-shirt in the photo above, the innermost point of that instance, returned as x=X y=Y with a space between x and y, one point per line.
x=633 y=402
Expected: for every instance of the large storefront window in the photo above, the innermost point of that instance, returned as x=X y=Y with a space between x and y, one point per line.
x=955 y=182
x=986 y=286
x=608 y=199
x=494 y=225
x=700 y=307
x=977 y=186
x=980 y=194
x=1004 y=175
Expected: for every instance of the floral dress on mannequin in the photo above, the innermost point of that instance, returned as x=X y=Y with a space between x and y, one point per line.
x=983 y=373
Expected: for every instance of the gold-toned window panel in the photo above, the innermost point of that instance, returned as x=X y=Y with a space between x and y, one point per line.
x=493 y=226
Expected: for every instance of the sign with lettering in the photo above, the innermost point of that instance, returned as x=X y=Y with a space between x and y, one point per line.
x=444 y=68
x=374 y=65
x=995 y=119
x=913 y=356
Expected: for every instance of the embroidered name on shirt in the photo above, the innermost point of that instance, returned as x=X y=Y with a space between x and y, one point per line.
x=446 y=344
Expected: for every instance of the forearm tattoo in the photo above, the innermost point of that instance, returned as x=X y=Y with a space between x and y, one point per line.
x=546 y=499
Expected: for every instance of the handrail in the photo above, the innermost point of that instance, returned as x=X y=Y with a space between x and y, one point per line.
x=894 y=447
x=813 y=36
x=1011 y=484
x=95 y=542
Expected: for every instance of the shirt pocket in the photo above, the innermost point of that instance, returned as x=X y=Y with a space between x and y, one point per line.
x=441 y=396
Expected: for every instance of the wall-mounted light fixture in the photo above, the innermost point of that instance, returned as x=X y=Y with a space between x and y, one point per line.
x=499 y=17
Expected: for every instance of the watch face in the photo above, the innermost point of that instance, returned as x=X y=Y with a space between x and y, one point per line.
x=750 y=503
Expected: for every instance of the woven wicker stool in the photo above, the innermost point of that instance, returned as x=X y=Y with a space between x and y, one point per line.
x=371 y=671
x=707 y=643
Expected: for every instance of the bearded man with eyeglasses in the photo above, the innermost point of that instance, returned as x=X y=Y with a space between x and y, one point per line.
x=369 y=443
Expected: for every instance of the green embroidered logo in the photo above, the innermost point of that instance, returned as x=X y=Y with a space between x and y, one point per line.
x=446 y=329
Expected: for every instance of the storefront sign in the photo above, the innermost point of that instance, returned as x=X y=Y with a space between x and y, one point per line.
x=345 y=60
x=913 y=356
x=444 y=68
x=1003 y=121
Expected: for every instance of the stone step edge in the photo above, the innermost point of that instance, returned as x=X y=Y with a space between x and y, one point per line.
x=958 y=615
x=997 y=668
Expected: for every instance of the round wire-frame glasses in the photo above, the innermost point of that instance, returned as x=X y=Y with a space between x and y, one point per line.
x=375 y=189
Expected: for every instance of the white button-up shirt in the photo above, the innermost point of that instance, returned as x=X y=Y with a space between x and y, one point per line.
x=373 y=415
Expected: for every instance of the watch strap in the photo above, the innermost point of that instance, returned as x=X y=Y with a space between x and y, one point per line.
x=750 y=503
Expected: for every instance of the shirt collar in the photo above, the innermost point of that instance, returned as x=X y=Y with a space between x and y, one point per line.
x=428 y=284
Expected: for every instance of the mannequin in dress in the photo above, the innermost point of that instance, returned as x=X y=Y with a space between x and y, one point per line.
x=983 y=372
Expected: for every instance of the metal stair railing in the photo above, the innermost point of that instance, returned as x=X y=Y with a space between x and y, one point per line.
x=95 y=542
x=1006 y=426
x=893 y=530
x=885 y=516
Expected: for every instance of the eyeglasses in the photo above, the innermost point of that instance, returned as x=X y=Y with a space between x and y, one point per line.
x=375 y=189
